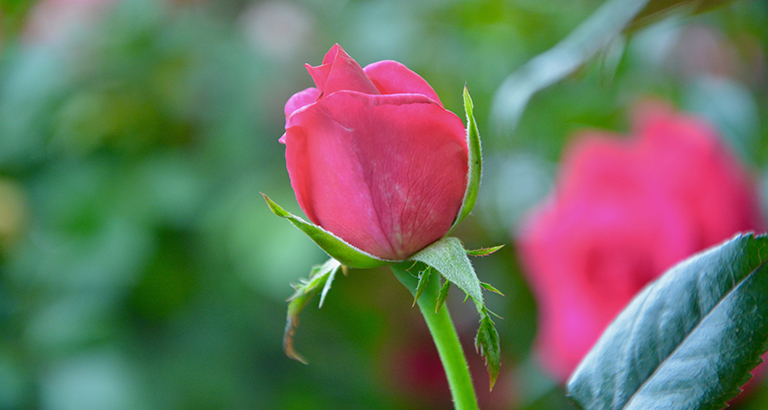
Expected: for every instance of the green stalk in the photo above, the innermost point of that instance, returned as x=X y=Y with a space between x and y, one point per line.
x=443 y=333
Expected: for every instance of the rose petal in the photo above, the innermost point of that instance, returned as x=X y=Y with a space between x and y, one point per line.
x=319 y=75
x=340 y=72
x=347 y=75
x=330 y=56
x=395 y=166
x=300 y=100
x=587 y=258
x=624 y=211
x=686 y=148
x=391 y=77
x=597 y=163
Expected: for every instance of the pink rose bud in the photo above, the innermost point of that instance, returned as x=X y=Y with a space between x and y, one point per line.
x=623 y=212
x=373 y=156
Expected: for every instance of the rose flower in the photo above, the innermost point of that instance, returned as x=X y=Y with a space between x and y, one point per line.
x=624 y=211
x=373 y=156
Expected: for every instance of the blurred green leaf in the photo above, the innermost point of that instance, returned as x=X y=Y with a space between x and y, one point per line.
x=689 y=340
x=553 y=65
x=658 y=9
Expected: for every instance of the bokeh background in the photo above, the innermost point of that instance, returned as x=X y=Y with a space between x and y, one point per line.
x=141 y=269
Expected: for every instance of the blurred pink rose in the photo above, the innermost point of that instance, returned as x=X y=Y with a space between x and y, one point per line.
x=374 y=157
x=624 y=211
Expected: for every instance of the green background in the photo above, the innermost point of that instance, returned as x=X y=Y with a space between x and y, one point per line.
x=140 y=267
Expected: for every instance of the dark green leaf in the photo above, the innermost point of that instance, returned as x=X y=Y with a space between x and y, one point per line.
x=320 y=279
x=475 y=162
x=484 y=251
x=487 y=344
x=334 y=246
x=423 y=280
x=689 y=340
x=442 y=295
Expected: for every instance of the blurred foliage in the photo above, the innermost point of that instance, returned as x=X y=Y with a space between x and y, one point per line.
x=140 y=267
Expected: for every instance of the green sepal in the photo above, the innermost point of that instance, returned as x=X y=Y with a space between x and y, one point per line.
x=320 y=279
x=488 y=346
x=475 y=162
x=488 y=287
x=484 y=251
x=442 y=295
x=449 y=257
x=334 y=246
x=423 y=280
x=688 y=340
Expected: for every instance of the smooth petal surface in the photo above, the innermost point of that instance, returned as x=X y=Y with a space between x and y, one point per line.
x=296 y=102
x=391 y=77
x=364 y=168
x=300 y=100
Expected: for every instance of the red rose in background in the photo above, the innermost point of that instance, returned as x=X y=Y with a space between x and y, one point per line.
x=623 y=212
x=373 y=156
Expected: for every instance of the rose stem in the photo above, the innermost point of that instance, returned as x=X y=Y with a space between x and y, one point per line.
x=443 y=333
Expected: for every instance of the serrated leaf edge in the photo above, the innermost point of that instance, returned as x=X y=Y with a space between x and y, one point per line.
x=646 y=293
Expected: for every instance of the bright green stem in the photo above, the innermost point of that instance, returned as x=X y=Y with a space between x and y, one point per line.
x=443 y=333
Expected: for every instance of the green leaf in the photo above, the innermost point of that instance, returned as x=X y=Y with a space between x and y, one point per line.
x=442 y=295
x=450 y=259
x=658 y=9
x=475 y=162
x=560 y=61
x=320 y=278
x=487 y=344
x=423 y=280
x=334 y=246
x=687 y=341
x=484 y=251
